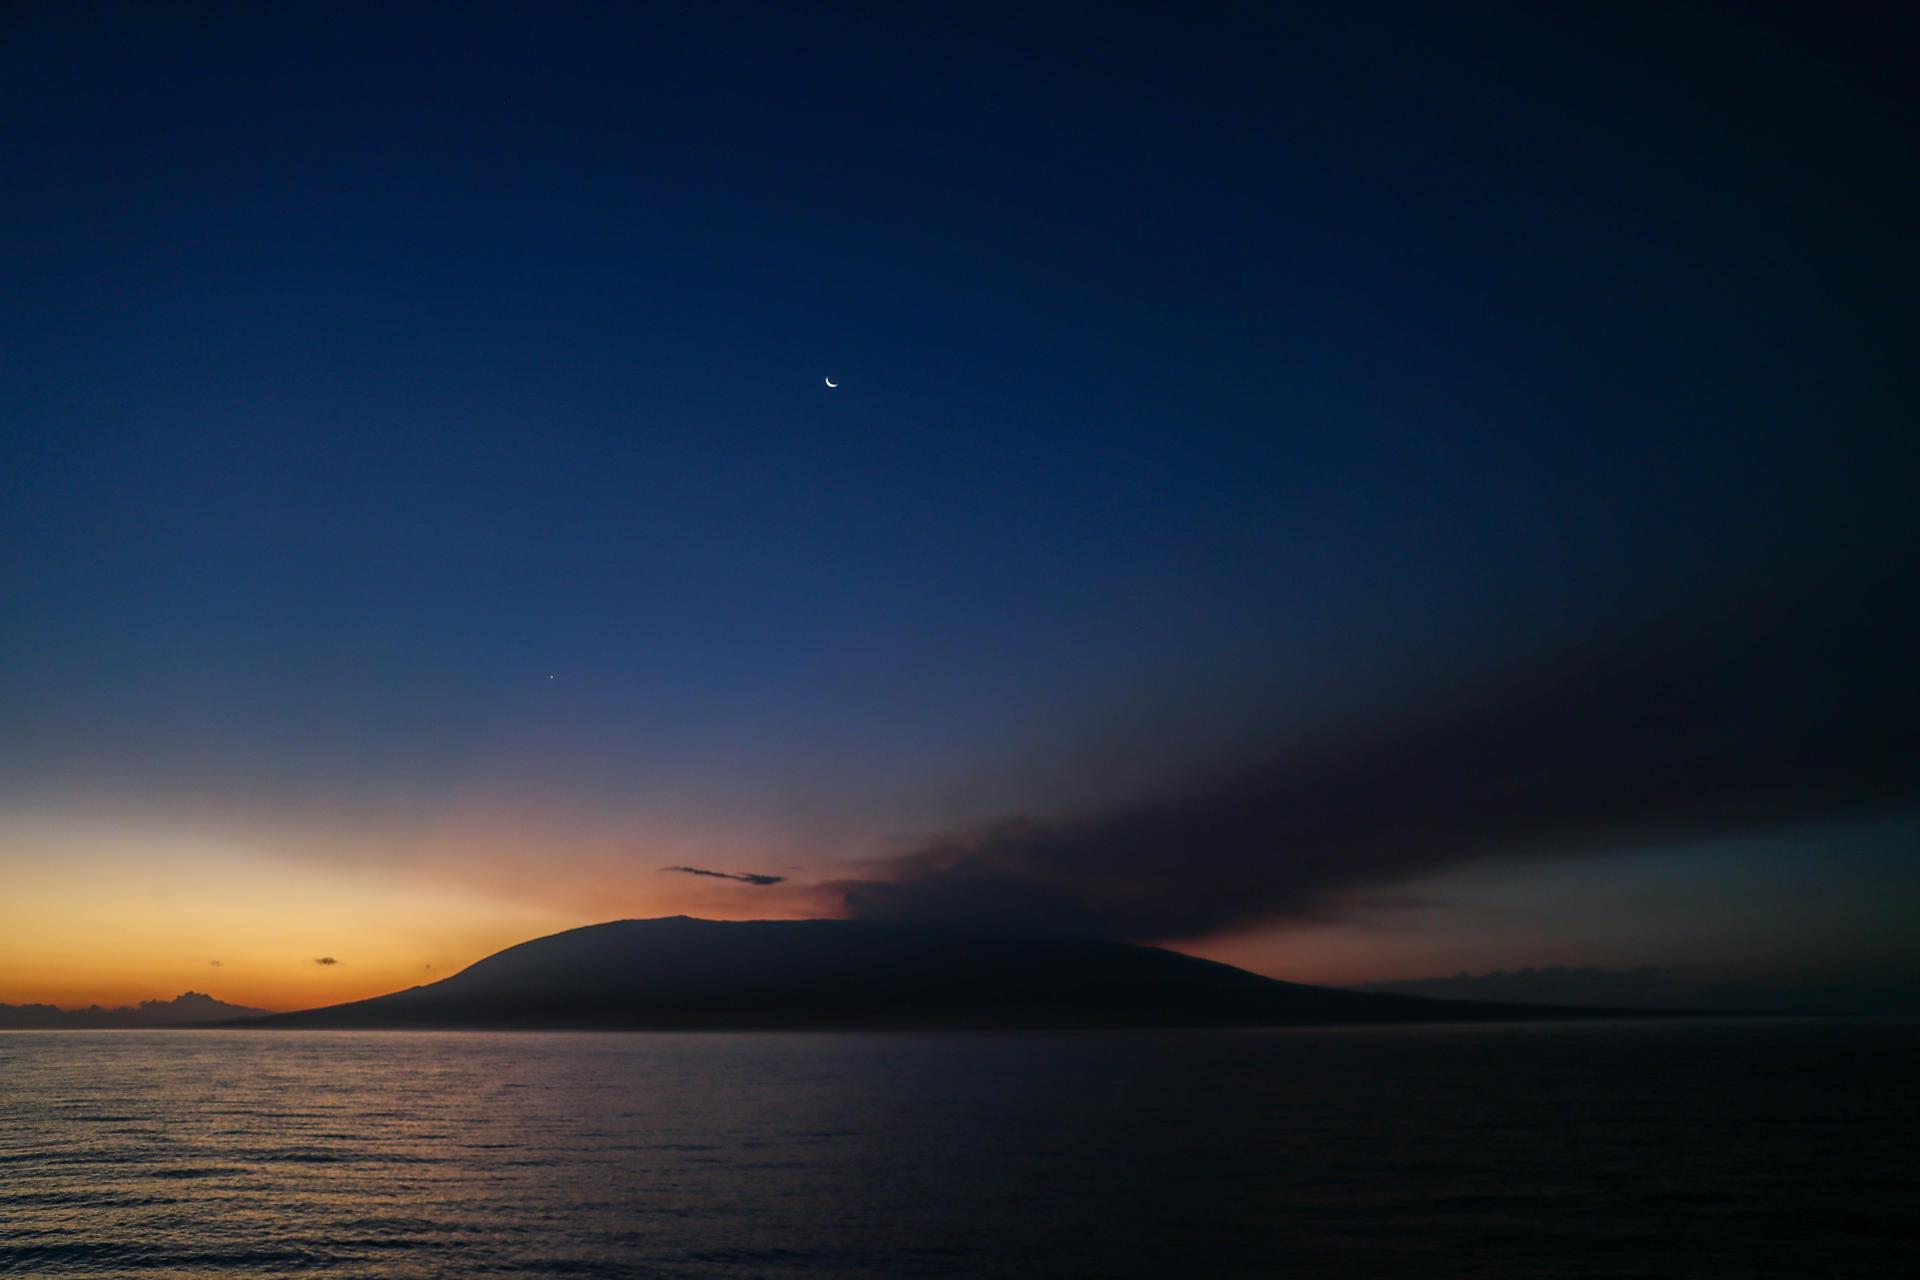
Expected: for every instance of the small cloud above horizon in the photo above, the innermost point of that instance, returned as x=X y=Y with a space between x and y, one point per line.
x=326 y=960
x=744 y=877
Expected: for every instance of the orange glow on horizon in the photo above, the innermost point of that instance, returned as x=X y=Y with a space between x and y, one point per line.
x=114 y=914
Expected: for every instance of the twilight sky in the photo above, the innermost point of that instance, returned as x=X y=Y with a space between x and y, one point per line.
x=1364 y=492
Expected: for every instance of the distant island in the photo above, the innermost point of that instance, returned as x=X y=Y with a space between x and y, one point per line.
x=682 y=973
x=192 y=1008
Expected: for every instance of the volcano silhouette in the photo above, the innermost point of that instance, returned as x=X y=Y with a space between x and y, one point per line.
x=679 y=972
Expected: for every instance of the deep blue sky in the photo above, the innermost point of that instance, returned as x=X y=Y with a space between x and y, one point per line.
x=405 y=400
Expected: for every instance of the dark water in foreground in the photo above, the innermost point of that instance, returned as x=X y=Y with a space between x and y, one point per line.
x=1631 y=1149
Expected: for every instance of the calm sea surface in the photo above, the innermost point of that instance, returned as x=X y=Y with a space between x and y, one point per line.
x=1630 y=1149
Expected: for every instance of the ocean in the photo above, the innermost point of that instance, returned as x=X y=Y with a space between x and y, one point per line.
x=1638 y=1148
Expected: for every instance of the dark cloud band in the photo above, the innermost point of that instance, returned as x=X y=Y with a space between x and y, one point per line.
x=1727 y=724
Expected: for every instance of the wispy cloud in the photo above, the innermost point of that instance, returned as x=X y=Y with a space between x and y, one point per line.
x=1659 y=988
x=1553 y=984
x=744 y=877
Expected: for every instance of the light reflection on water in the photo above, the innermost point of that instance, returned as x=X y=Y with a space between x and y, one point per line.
x=1653 y=1148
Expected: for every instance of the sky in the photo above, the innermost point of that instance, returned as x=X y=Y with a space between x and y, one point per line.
x=1365 y=492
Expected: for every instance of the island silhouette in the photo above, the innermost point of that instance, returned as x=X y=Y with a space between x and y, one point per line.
x=190 y=1008
x=683 y=973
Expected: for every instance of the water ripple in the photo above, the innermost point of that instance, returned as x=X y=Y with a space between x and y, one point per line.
x=1752 y=1149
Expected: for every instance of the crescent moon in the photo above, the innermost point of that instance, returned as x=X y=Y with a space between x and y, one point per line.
x=832 y=383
